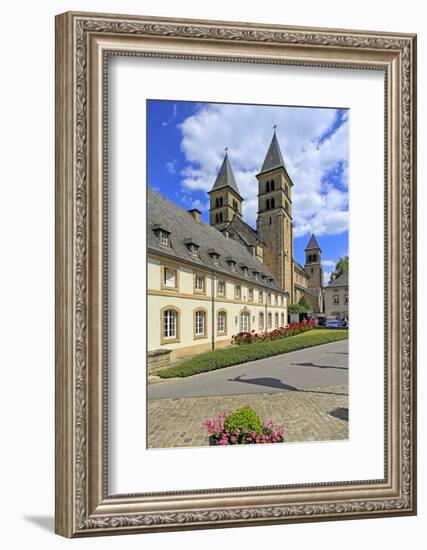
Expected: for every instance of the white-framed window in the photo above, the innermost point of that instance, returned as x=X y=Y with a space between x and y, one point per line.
x=170 y=323
x=276 y=299
x=269 y=320
x=250 y=294
x=269 y=297
x=199 y=282
x=169 y=277
x=346 y=299
x=221 y=288
x=215 y=259
x=261 y=321
x=244 y=321
x=336 y=299
x=222 y=319
x=164 y=238
x=260 y=296
x=282 y=300
x=238 y=292
x=276 y=320
x=194 y=250
x=200 y=323
x=282 y=319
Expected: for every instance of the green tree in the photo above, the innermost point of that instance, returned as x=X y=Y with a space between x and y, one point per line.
x=304 y=303
x=340 y=268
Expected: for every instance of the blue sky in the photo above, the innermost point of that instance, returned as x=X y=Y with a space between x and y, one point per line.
x=186 y=142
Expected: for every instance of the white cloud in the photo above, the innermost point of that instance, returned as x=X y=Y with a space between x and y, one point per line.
x=172 y=117
x=318 y=205
x=171 y=166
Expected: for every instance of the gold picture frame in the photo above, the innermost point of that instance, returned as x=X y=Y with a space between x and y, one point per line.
x=83 y=43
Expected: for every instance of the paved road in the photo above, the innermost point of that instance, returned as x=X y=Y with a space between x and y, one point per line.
x=325 y=365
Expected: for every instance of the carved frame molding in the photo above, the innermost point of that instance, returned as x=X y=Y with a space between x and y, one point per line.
x=83 y=44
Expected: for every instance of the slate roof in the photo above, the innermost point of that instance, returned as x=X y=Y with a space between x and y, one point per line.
x=183 y=226
x=341 y=281
x=225 y=177
x=300 y=268
x=244 y=230
x=313 y=244
x=274 y=158
x=314 y=291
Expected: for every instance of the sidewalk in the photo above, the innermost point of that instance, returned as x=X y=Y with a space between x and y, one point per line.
x=317 y=414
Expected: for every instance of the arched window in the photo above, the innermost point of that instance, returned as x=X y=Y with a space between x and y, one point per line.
x=267 y=204
x=309 y=258
x=272 y=185
x=276 y=320
x=222 y=322
x=244 y=321
x=269 y=221
x=216 y=218
x=282 y=320
x=221 y=201
x=272 y=203
x=200 y=323
x=269 y=320
x=234 y=204
x=314 y=258
x=220 y=217
x=261 y=321
x=267 y=187
x=170 y=325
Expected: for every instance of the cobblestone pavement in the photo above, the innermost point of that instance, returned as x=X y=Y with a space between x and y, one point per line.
x=318 y=414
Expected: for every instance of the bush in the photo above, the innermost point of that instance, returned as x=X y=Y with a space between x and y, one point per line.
x=242 y=427
x=244 y=419
x=277 y=333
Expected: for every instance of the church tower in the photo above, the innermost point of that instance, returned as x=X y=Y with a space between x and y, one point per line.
x=274 y=223
x=225 y=198
x=313 y=263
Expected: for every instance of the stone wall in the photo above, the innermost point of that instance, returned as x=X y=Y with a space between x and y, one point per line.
x=157 y=360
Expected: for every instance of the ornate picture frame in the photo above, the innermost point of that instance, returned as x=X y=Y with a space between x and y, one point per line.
x=84 y=42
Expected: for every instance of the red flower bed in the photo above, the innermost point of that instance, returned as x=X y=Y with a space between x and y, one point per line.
x=276 y=334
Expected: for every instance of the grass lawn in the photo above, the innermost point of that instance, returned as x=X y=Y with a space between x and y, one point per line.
x=221 y=358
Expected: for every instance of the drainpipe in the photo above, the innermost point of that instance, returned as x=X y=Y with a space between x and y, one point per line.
x=213 y=309
x=265 y=316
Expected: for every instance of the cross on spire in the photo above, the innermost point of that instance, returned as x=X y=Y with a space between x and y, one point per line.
x=274 y=128
x=226 y=150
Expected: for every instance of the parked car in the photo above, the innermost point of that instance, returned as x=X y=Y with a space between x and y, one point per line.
x=333 y=323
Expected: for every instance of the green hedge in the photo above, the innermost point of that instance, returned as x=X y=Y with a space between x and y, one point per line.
x=221 y=358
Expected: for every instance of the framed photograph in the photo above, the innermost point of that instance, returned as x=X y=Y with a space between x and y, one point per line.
x=235 y=274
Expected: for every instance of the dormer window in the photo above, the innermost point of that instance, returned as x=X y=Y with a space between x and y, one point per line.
x=270 y=280
x=231 y=263
x=192 y=247
x=214 y=256
x=162 y=233
x=163 y=238
x=256 y=275
x=245 y=270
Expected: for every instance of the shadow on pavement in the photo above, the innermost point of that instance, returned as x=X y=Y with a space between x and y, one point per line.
x=277 y=384
x=340 y=413
x=319 y=366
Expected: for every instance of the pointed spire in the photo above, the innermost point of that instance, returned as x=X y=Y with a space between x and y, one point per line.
x=274 y=157
x=312 y=243
x=225 y=177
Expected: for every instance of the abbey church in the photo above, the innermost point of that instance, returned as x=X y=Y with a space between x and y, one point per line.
x=272 y=242
x=205 y=282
